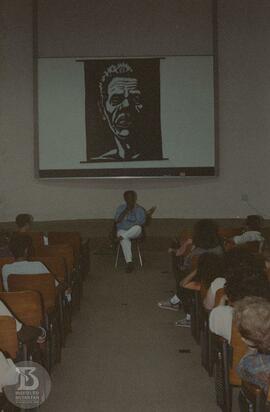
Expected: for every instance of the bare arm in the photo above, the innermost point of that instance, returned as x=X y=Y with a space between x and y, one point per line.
x=188 y=278
x=209 y=300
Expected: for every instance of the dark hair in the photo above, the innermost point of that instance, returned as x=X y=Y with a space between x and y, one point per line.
x=19 y=245
x=122 y=69
x=248 y=280
x=23 y=219
x=129 y=193
x=254 y=222
x=205 y=234
x=240 y=260
x=210 y=267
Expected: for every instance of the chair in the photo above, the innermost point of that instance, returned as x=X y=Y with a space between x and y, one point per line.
x=135 y=242
x=229 y=232
x=8 y=337
x=254 y=247
x=195 y=313
x=70 y=238
x=60 y=250
x=37 y=239
x=45 y=285
x=252 y=398
x=206 y=342
x=85 y=260
x=26 y=305
x=239 y=350
x=55 y=264
x=80 y=250
x=74 y=278
x=227 y=357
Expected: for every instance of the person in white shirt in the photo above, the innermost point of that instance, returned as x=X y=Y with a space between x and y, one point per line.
x=220 y=321
x=252 y=232
x=244 y=280
x=20 y=247
x=210 y=298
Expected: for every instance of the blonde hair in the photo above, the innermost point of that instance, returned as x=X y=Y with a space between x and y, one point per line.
x=252 y=316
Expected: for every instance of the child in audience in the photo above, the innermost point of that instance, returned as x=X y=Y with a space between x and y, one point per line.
x=205 y=240
x=247 y=280
x=252 y=316
x=20 y=247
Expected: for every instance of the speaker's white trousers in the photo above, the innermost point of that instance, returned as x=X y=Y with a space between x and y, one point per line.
x=133 y=233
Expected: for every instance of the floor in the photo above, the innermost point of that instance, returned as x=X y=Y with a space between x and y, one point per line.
x=123 y=354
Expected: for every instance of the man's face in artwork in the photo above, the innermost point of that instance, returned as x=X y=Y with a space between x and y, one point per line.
x=122 y=106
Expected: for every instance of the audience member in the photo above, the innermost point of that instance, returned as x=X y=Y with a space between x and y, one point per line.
x=251 y=232
x=20 y=247
x=24 y=222
x=210 y=275
x=129 y=219
x=242 y=281
x=205 y=240
x=252 y=315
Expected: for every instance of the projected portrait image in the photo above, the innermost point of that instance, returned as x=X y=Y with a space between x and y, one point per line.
x=122 y=103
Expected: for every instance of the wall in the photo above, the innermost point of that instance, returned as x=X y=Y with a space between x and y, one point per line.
x=244 y=82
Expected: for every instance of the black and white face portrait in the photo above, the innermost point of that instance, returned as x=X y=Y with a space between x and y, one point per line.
x=124 y=105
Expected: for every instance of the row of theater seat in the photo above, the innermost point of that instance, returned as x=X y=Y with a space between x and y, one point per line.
x=35 y=300
x=218 y=357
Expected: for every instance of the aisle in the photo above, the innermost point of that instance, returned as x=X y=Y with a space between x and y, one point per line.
x=123 y=354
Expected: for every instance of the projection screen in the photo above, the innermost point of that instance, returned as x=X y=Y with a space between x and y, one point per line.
x=124 y=117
